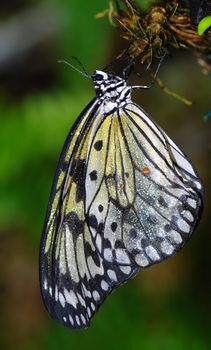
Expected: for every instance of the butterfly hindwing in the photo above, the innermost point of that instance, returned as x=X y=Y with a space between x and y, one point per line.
x=147 y=205
x=168 y=199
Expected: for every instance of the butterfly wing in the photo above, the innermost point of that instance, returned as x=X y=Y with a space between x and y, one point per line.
x=168 y=198
x=74 y=276
x=143 y=197
x=129 y=199
x=62 y=250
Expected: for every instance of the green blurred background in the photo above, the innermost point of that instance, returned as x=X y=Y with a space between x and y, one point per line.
x=165 y=307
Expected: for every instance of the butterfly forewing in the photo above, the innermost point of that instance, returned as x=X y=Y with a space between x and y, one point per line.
x=59 y=270
x=124 y=197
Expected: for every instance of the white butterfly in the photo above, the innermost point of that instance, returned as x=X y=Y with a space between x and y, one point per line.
x=124 y=197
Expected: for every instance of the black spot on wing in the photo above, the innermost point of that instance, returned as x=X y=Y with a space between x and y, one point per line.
x=106 y=243
x=100 y=228
x=92 y=221
x=74 y=223
x=119 y=244
x=133 y=233
x=77 y=172
x=98 y=145
x=114 y=226
x=162 y=202
x=93 y=175
x=100 y=208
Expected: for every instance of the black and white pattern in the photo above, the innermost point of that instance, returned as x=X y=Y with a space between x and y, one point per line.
x=124 y=197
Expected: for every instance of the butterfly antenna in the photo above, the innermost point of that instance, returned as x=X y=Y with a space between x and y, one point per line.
x=83 y=71
x=128 y=68
x=81 y=65
x=159 y=65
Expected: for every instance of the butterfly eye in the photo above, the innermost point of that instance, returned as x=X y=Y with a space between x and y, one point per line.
x=98 y=77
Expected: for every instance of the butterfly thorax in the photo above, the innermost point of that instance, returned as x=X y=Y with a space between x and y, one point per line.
x=111 y=90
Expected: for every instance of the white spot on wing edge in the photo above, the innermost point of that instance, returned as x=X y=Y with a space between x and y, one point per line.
x=71 y=320
x=187 y=215
x=81 y=299
x=89 y=312
x=112 y=275
x=104 y=285
x=141 y=260
x=152 y=253
x=96 y=295
x=71 y=298
x=83 y=319
x=183 y=225
x=198 y=185
x=62 y=299
x=125 y=269
x=167 y=248
x=191 y=202
x=175 y=236
x=77 y=320
x=45 y=284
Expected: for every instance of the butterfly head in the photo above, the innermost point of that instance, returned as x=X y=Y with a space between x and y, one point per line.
x=111 y=88
x=102 y=81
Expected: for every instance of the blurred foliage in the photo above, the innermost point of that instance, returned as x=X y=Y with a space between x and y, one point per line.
x=145 y=4
x=80 y=34
x=167 y=306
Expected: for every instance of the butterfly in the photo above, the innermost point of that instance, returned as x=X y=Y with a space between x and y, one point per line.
x=124 y=197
